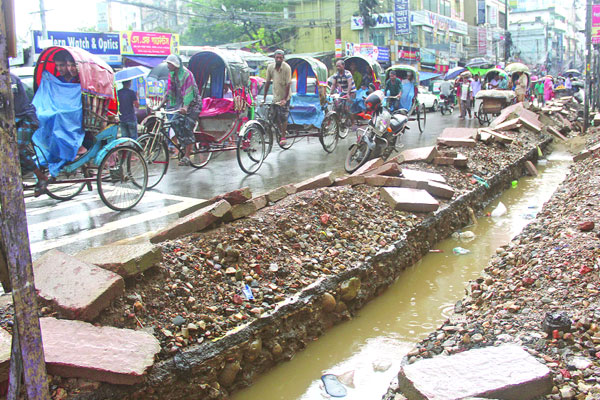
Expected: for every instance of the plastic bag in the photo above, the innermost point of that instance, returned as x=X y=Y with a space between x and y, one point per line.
x=460 y=251
x=500 y=210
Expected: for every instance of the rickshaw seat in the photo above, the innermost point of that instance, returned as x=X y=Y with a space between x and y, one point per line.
x=213 y=106
x=305 y=109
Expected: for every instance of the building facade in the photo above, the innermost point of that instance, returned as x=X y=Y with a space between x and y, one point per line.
x=487 y=29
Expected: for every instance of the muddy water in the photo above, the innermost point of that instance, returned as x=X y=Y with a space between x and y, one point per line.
x=422 y=298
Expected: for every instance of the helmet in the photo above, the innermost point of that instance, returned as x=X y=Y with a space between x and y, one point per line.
x=374 y=100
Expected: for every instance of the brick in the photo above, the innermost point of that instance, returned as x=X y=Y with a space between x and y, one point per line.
x=78 y=290
x=443 y=161
x=234 y=197
x=316 y=182
x=405 y=199
x=126 y=260
x=276 y=194
x=508 y=125
x=556 y=133
x=350 y=180
x=290 y=189
x=458 y=133
x=425 y=154
x=502 y=372
x=371 y=164
x=422 y=175
x=105 y=354
x=388 y=169
x=240 y=211
x=460 y=160
x=531 y=125
x=5 y=346
x=440 y=190
x=582 y=155
x=531 y=169
x=194 y=222
x=456 y=142
x=260 y=202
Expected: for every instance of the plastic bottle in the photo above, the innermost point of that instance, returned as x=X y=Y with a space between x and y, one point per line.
x=460 y=251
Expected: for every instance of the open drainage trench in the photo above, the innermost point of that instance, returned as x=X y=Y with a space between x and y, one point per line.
x=422 y=298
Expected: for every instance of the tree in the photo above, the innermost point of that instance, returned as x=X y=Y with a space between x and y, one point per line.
x=225 y=21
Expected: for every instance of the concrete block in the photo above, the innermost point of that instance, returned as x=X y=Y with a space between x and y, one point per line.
x=350 y=180
x=422 y=175
x=440 y=190
x=382 y=180
x=443 y=161
x=105 y=354
x=260 y=201
x=405 y=199
x=531 y=169
x=316 y=182
x=194 y=222
x=456 y=142
x=508 y=125
x=536 y=127
x=460 y=160
x=398 y=159
x=371 y=164
x=290 y=189
x=484 y=136
x=76 y=289
x=505 y=372
x=458 y=133
x=126 y=260
x=276 y=194
x=413 y=184
x=425 y=154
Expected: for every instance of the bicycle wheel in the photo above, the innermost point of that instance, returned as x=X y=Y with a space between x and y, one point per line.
x=344 y=125
x=200 y=155
x=251 y=147
x=122 y=178
x=421 y=117
x=482 y=116
x=269 y=137
x=156 y=153
x=62 y=187
x=289 y=141
x=358 y=155
x=329 y=133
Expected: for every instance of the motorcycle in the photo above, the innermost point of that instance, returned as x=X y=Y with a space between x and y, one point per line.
x=379 y=137
x=447 y=106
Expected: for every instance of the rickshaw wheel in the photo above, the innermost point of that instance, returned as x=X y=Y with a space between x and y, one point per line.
x=65 y=191
x=482 y=116
x=122 y=178
x=289 y=141
x=200 y=155
x=421 y=117
x=269 y=139
x=345 y=123
x=329 y=133
x=251 y=147
x=358 y=155
x=156 y=153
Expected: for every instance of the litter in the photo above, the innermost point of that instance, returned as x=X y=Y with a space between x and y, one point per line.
x=499 y=211
x=460 y=251
x=333 y=386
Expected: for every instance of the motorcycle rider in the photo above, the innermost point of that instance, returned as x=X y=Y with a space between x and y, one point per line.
x=393 y=89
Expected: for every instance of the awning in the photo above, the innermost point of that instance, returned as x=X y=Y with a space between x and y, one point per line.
x=423 y=75
x=144 y=61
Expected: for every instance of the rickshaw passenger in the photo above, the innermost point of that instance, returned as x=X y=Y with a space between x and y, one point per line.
x=393 y=88
x=281 y=74
x=503 y=85
x=62 y=72
x=356 y=75
x=72 y=67
x=408 y=92
x=182 y=95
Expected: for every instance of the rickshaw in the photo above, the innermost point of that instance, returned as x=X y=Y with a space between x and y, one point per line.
x=222 y=78
x=417 y=110
x=75 y=116
x=490 y=75
x=308 y=114
x=368 y=68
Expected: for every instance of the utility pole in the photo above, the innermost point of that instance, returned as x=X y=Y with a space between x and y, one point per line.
x=338 y=20
x=27 y=353
x=43 y=18
x=588 y=60
x=506 y=46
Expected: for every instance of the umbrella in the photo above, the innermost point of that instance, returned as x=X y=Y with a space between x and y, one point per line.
x=160 y=72
x=572 y=72
x=479 y=62
x=128 y=74
x=516 y=67
x=454 y=72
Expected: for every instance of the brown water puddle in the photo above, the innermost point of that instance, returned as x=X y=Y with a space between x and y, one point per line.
x=384 y=330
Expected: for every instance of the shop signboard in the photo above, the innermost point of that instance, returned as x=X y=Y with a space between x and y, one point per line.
x=338 y=48
x=105 y=45
x=149 y=43
x=438 y=22
x=383 y=20
x=596 y=23
x=407 y=53
x=402 y=17
x=481 y=41
x=480 y=12
x=383 y=54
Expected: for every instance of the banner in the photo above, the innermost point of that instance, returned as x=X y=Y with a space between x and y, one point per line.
x=481 y=41
x=384 y=20
x=407 y=53
x=105 y=45
x=338 y=48
x=401 y=16
x=438 y=22
x=493 y=16
x=384 y=54
x=149 y=43
x=480 y=12
x=596 y=23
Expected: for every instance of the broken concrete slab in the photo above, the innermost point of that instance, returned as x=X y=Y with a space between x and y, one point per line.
x=536 y=127
x=126 y=260
x=398 y=159
x=5 y=347
x=531 y=169
x=194 y=222
x=406 y=199
x=371 y=164
x=383 y=180
x=508 y=125
x=582 y=155
x=316 y=182
x=484 y=136
x=458 y=133
x=350 y=180
x=105 y=354
x=456 y=142
x=416 y=175
x=426 y=154
x=443 y=161
x=438 y=189
x=503 y=372
x=388 y=169
x=78 y=290
x=275 y=195
x=556 y=133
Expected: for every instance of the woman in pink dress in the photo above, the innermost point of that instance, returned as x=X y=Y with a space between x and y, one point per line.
x=548 y=89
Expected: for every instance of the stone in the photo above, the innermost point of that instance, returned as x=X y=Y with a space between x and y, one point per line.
x=275 y=195
x=328 y=303
x=440 y=190
x=387 y=169
x=351 y=180
x=503 y=372
x=426 y=154
x=194 y=222
x=105 y=354
x=234 y=197
x=240 y=211
x=126 y=260
x=290 y=189
x=371 y=164
x=349 y=289
x=531 y=169
x=406 y=199
x=450 y=142
x=552 y=130
x=229 y=373
x=422 y=175
x=178 y=320
x=260 y=202
x=498 y=137
x=254 y=349
x=458 y=133
x=5 y=346
x=78 y=290
x=586 y=226
x=319 y=181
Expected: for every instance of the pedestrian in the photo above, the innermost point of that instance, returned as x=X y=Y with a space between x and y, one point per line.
x=457 y=89
x=26 y=123
x=538 y=89
x=183 y=96
x=281 y=74
x=393 y=89
x=475 y=88
x=548 y=89
x=521 y=87
x=128 y=102
x=569 y=85
x=465 y=98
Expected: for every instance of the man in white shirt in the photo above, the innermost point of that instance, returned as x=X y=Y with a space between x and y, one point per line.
x=465 y=97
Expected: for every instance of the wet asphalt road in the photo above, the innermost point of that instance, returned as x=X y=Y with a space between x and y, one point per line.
x=85 y=222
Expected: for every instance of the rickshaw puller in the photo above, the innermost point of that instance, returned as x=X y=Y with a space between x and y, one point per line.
x=281 y=75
